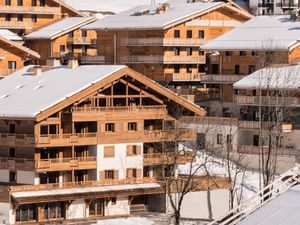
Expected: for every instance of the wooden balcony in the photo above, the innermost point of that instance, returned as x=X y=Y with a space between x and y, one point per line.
x=160 y=59
x=16 y=25
x=268 y=101
x=162 y=42
x=220 y=121
x=166 y=158
x=30 y=10
x=98 y=59
x=186 y=77
x=221 y=78
x=245 y=149
x=62 y=164
x=79 y=40
x=7 y=163
x=83 y=184
x=17 y=140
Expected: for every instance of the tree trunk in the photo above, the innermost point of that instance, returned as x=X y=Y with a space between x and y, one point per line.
x=209 y=207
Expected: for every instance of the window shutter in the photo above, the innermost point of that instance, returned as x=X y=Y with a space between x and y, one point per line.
x=116 y=174
x=138 y=173
x=138 y=149
x=102 y=175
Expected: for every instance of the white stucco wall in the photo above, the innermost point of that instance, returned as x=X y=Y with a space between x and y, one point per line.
x=76 y=210
x=120 y=161
x=120 y=208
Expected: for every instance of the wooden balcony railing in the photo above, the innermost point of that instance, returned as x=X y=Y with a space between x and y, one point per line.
x=221 y=78
x=224 y=121
x=8 y=163
x=83 y=184
x=79 y=40
x=30 y=10
x=119 y=109
x=245 y=149
x=268 y=101
x=16 y=25
x=166 y=158
x=99 y=59
x=162 y=41
x=26 y=140
x=162 y=59
x=186 y=76
x=60 y=164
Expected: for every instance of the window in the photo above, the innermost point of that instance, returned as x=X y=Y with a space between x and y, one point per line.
x=20 y=17
x=12 y=152
x=189 y=51
x=33 y=3
x=44 y=129
x=251 y=69
x=177 y=51
x=84 y=33
x=228 y=53
x=253 y=53
x=132 y=126
x=113 y=200
x=42 y=3
x=131 y=173
x=12 y=177
x=109 y=151
x=201 y=53
x=53 y=210
x=96 y=207
x=189 y=34
x=237 y=69
x=188 y=69
x=71 y=34
x=133 y=150
x=7 y=17
x=20 y=2
x=12 y=65
x=228 y=139
x=176 y=68
x=7 y=2
x=201 y=34
x=34 y=18
x=62 y=48
x=110 y=127
x=25 y=213
x=255 y=140
x=109 y=174
x=176 y=33
x=219 y=139
x=242 y=53
x=12 y=128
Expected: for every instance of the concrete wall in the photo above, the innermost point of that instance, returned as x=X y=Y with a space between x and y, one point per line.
x=120 y=161
x=194 y=205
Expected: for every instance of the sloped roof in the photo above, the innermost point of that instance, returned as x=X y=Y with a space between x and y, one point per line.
x=23 y=95
x=287 y=77
x=283 y=210
x=59 y=28
x=259 y=33
x=10 y=35
x=152 y=20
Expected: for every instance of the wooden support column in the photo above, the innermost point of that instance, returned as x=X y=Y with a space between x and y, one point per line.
x=73 y=151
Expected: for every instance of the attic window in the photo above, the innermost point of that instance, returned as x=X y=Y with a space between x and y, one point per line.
x=19 y=86
x=38 y=87
x=5 y=96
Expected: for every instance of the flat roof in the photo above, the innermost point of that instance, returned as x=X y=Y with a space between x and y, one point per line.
x=287 y=77
x=59 y=28
x=259 y=33
x=24 y=95
x=151 y=20
x=83 y=190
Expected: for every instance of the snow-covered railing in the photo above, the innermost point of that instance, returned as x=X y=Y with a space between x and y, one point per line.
x=279 y=186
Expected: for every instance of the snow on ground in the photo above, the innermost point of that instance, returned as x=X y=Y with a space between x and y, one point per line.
x=126 y=221
x=4 y=209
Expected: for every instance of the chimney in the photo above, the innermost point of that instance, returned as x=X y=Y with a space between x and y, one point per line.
x=36 y=71
x=73 y=64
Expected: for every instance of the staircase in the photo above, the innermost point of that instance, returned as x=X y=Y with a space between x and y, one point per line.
x=284 y=182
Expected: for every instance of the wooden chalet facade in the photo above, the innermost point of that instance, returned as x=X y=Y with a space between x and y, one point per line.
x=23 y=16
x=107 y=131
x=160 y=45
x=63 y=40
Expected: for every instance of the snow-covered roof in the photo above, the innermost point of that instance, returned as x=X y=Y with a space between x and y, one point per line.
x=10 y=35
x=107 y=6
x=260 y=33
x=287 y=77
x=59 y=28
x=25 y=95
x=151 y=20
x=68 y=191
x=283 y=210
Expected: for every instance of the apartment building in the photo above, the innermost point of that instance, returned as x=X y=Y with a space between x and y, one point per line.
x=63 y=40
x=272 y=7
x=162 y=41
x=22 y=16
x=86 y=148
x=13 y=55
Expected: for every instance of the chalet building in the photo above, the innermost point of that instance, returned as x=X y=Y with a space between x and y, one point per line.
x=13 y=55
x=241 y=52
x=22 y=16
x=87 y=148
x=63 y=40
x=162 y=41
